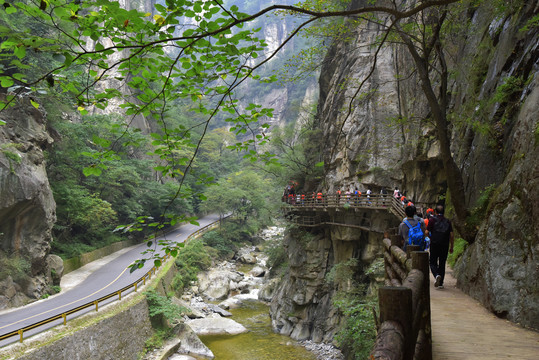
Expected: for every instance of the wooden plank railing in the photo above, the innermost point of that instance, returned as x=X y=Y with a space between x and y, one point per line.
x=405 y=326
x=373 y=201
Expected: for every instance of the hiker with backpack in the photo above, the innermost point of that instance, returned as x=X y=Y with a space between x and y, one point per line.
x=412 y=229
x=441 y=241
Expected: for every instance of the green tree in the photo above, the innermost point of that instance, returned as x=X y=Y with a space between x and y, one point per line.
x=245 y=193
x=198 y=51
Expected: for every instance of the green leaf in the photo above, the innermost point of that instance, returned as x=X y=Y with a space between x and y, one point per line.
x=20 y=51
x=319 y=164
x=91 y=170
x=6 y=81
x=34 y=104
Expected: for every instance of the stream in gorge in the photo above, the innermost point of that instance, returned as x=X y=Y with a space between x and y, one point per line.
x=230 y=312
x=259 y=343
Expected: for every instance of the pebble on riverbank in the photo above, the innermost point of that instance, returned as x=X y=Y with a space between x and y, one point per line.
x=323 y=351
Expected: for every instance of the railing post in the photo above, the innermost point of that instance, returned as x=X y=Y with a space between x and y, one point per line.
x=119 y=295
x=20 y=334
x=410 y=249
x=396 y=305
x=420 y=261
x=65 y=318
x=96 y=303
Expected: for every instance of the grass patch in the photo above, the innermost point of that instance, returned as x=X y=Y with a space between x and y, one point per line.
x=458 y=248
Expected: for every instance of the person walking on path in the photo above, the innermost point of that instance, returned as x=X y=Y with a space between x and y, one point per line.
x=441 y=241
x=409 y=222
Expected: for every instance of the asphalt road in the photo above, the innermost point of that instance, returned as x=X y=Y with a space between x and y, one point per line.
x=107 y=279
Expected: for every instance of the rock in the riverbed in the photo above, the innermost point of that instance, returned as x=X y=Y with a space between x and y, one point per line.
x=216 y=325
x=215 y=284
x=181 y=357
x=257 y=271
x=247 y=259
x=190 y=343
x=218 y=310
x=189 y=311
x=230 y=303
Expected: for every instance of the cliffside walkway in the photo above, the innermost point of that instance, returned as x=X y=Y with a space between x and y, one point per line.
x=463 y=329
x=301 y=203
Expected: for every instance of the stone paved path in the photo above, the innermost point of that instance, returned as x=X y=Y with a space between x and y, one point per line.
x=463 y=329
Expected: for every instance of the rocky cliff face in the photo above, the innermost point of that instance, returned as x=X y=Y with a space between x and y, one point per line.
x=369 y=114
x=27 y=207
x=383 y=139
x=302 y=305
x=501 y=268
x=495 y=141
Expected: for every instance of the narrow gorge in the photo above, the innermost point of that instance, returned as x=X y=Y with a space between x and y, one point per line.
x=147 y=115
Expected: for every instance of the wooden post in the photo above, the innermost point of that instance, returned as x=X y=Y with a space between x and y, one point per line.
x=410 y=249
x=420 y=261
x=396 y=305
x=396 y=240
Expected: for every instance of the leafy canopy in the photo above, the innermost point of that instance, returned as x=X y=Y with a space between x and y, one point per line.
x=98 y=54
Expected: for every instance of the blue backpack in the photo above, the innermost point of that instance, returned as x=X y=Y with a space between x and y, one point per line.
x=415 y=235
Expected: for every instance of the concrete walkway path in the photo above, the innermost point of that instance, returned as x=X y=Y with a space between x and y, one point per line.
x=463 y=329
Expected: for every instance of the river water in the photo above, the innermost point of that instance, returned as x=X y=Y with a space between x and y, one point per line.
x=259 y=343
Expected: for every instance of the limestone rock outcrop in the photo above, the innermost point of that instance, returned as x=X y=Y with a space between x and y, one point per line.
x=494 y=131
x=302 y=304
x=27 y=207
x=383 y=138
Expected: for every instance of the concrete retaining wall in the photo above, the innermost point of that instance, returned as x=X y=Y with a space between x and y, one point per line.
x=121 y=336
x=83 y=259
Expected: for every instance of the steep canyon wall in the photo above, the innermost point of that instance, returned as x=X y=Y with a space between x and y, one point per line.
x=27 y=207
x=383 y=138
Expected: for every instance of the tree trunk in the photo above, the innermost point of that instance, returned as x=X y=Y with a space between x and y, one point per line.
x=452 y=171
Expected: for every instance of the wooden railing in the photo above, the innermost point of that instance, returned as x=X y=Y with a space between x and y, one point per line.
x=405 y=327
x=373 y=201
x=117 y=293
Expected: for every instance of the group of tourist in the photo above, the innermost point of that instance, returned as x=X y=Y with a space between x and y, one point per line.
x=340 y=197
x=433 y=232
x=430 y=230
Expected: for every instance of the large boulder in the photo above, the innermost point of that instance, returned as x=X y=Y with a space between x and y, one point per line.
x=216 y=284
x=188 y=310
x=190 y=343
x=216 y=325
x=56 y=266
x=247 y=259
